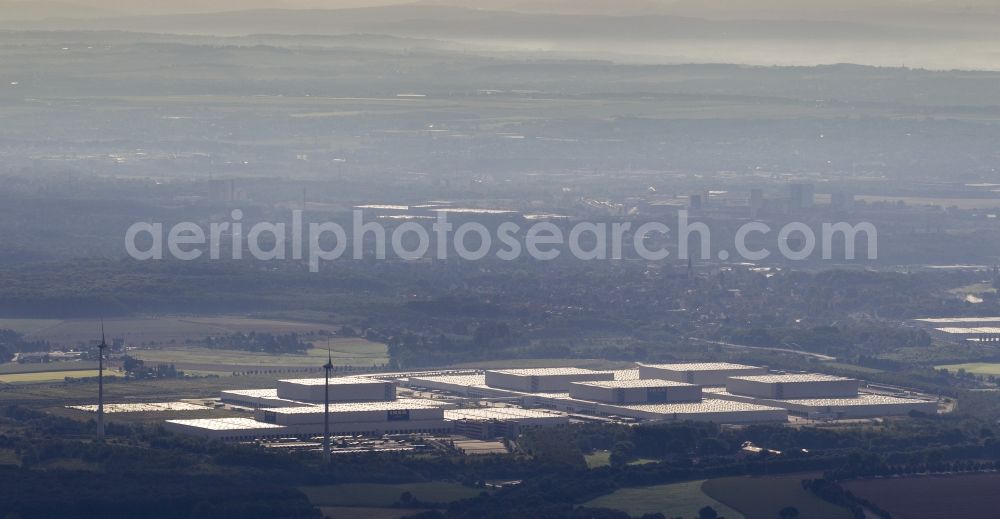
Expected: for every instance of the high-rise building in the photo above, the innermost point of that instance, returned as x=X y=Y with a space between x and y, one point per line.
x=802 y=196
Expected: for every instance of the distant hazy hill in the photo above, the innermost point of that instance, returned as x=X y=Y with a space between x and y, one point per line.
x=857 y=10
x=445 y=22
x=605 y=7
x=853 y=10
x=892 y=37
x=38 y=9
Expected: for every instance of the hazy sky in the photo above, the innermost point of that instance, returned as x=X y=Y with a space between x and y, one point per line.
x=742 y=7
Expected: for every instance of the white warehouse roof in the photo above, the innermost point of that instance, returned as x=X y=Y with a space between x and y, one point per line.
x=254 y=393
x=346 y=407
x=460 y=380
x=333 y=381
x=627 y=374
x=791 y=378
x=705 y=406
x=646 y=382
x=863 y=399
x=546 y=372
x=700 y=366
x=499 y=413
x=226 y=424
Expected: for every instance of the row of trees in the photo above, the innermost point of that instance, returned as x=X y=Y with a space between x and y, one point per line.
x=137 y=369
x=12 y=342
x=260 y=342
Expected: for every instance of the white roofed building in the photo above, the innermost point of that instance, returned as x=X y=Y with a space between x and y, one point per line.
x=701 y=373
x=542 y=380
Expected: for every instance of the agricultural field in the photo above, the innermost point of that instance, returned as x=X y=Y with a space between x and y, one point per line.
x=344 y=351
x=155 y=330
x=763 y=497
x=27 y=326
x=152 y=390
x=963 y=495
x=979 y=368
x=49 y=376
x=72 y=365
x=9 y=457
x=384 y=495
x=673 y=500
x=597 y=459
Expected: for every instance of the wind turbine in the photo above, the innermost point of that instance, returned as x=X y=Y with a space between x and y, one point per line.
x=100 y=384
x=328 y=367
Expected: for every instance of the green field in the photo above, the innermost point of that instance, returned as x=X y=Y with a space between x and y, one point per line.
x=49 y=376
x=13 y=367
x=763 y=497
x=27 y=326
x=957 y=495
x=382 y=495
x=160 y=390
x=979 y=368
x=345 y=352
x=673 y=500
x=160 y=329
x=9 y=457
x=598 y=459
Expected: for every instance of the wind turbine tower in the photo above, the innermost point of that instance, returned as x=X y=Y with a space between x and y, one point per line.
x=328 y=367
x=100 y=385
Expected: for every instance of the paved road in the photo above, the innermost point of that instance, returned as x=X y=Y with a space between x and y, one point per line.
x=764 y=348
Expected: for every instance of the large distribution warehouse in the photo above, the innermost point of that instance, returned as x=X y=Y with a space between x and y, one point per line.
x=542 y=380
x=370 y=418
x=495 y=422
x=640 y=391
x=717 y=392
x=342 y=389
x=611 y=394
x=815 y=395
x=701 y=373
x=810 y=385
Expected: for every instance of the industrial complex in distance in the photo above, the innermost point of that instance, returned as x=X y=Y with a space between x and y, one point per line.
x=500 y=403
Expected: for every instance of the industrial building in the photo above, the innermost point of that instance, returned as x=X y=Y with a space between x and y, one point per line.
x=809 y=385
x=701 y=410
x=542 y=380
x=817 y=396
x=717 y=392
x=506 y=422
x=228 y=429
x=364 y=418
x=701 y=373
x=342 y=389
x=256 y=398
x=474 y=385
x=621 y=394
x=361 y=406
x=470 y=386
x=701 y=385
x=864 y=405
x=640 y=391
x=718 y=411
